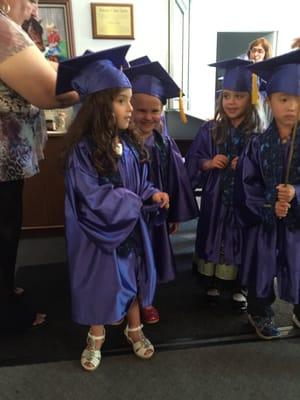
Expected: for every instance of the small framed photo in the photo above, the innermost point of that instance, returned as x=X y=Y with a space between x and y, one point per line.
x=112 y=21
x=58 y=120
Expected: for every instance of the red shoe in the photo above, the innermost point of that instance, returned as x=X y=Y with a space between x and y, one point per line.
x=150 y=315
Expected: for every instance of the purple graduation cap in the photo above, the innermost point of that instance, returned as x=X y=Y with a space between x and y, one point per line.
x=236 y=77
x=152 y=79
x=93 y=72
x=282 y=73
x=140 y=61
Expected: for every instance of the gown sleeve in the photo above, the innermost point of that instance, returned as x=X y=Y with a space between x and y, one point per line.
x=249 y=187
x=147 y=189
x=106 y=214
x=199 y=152
x=183 y=206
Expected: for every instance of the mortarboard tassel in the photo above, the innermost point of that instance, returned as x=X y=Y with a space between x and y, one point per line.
x=182 y=115
x=254 y=93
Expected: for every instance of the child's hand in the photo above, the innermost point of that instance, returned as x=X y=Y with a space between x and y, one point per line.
x=161 y=197
x=233 y=163
x=286 y=192
x=282 y=208
x=173 y=227
x=219 y=161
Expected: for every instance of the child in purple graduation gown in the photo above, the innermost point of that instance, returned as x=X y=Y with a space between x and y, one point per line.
x=269 y=199
x=211 y=162
x=108 y=199
x=151 y=87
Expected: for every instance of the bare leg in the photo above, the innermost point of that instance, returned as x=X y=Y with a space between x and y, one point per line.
x=133 y=315
x=134 y=321
x=96 y=330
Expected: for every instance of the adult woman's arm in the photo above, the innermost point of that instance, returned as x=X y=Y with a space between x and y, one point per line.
x=30 y=75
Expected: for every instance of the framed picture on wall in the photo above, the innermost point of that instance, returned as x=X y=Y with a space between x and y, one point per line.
x=112 y=21
x=58 y=120
x=52 y=31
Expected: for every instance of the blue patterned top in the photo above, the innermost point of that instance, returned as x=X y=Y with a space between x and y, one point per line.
x=22 y=129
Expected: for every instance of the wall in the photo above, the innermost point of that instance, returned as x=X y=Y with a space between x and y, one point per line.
x=151 y=33
x=150 y=28
x=230 y=16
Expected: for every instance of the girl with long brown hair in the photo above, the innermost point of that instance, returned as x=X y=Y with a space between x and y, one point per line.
x=108 y=201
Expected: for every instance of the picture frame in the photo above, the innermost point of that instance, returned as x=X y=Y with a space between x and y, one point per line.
x=55 y=19
x=112 y=21
x=58 y=120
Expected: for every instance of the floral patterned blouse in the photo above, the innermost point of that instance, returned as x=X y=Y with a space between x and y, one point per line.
x=22 y=129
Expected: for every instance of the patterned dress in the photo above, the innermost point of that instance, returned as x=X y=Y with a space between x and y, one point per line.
x=22 y=129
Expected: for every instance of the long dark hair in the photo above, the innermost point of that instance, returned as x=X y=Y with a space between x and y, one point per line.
x=96 y=121
x=222 y=124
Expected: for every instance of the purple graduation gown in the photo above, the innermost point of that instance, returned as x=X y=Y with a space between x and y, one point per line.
x=217 y=223
x=99 y=217
x=168 y=173
x=266 y=254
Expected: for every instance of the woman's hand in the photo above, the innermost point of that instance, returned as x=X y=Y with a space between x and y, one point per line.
x=285 y=192
x=281 y=208
x=161 y=197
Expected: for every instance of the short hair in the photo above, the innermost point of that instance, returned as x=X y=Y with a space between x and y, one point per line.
x=266 y=45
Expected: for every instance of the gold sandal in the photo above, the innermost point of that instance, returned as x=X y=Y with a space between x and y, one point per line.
x=141 y=347
x=91 y=357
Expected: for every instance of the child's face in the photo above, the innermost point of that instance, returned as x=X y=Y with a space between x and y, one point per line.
x=146 y=112
x=285 y=108
x=235 y=105
x=122 y=108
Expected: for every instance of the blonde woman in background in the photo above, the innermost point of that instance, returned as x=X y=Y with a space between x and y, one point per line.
x=259 y=50
x=296 y=43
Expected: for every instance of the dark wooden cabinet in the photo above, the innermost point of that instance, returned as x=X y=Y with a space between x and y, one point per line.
x=43 y=201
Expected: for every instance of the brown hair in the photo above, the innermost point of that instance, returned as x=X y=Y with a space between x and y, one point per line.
x=96 y=121
x=266 y=45
x=220 y=129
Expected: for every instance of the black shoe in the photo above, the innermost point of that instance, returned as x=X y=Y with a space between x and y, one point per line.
x=212 y=297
